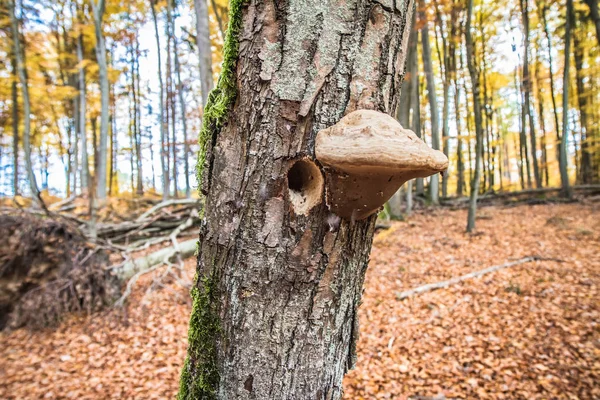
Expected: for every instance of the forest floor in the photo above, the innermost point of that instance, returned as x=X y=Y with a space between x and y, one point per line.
x=529 y=331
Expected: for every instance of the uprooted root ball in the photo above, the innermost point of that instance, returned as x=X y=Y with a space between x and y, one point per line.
x=47 y=268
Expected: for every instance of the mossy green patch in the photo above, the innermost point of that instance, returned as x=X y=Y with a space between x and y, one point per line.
x=222 y=97
x=199 y=376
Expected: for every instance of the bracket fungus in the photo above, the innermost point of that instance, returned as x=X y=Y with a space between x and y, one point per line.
x=366 y=157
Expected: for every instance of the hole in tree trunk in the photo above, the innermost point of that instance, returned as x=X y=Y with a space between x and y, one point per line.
x=305 y=185
x=248 y=383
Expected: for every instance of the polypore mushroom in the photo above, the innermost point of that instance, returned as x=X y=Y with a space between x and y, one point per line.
x=367 y=156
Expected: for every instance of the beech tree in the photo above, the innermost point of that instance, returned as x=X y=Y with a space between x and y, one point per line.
x=280 y=263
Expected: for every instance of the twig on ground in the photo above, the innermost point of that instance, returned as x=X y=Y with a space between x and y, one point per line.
x=471 y=275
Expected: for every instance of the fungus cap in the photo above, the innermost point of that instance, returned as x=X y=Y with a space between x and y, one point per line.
x=367 y=156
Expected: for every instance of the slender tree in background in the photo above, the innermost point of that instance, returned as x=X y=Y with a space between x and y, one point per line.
x=98 y=9
x=182 y=108
x=564 y=174
x=171 y=87
x=453 y=47
x=585 y=172
x=595 y=16
x=161 y=116
x=138 y=116
x=434 y=195
x=22 y=72
x=204 y=49
x=527 y=114
x=542 y=10
x=540 y=100
x=15 y=119
x=471 y=63
x=85 y=170
x=445 y=72
x=415 y=99
x=274 y=309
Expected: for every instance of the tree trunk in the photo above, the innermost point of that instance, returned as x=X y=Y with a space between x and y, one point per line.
x=582 y=100
x=76 y=171
x=478 y=120
x=522 y=140
x=445 y=62
x=415 y=98
x=22 y=72
x=540 y=100
x=542 y=9
x=527 y=92
x=186 y=145
x=135 y=82
x=204 y=49
x=85 y=169
x=467 y=120
x=595 y=16
x=100 y=174
x=434 y=195
x=171 y=46
x=564 y=175
x=15 y=122
x=275 y=301
x=218 y=17
x=163 y=139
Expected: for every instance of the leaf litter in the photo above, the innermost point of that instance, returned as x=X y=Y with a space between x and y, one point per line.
x=529 y=331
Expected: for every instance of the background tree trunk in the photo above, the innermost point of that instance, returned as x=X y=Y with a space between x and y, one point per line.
x=586 y=176
x=15 y=121
x=163 y=138
x=85 y=169
x=595 y=16
x=527 y=93
x=564 y=174
x=22 y=72
x=186 y=145
x=100 y=173
x=204 y=51
x=478 y=120
x=275 y=301
x=434 y=195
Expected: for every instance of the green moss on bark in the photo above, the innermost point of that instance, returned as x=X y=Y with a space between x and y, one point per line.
x=222 y=97
x=199 y=376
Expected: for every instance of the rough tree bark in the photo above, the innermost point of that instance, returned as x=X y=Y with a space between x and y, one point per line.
x=276 y=296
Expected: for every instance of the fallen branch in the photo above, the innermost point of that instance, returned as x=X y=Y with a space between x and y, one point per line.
x=449 y=282
x=166 y=204
x=132 y=267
